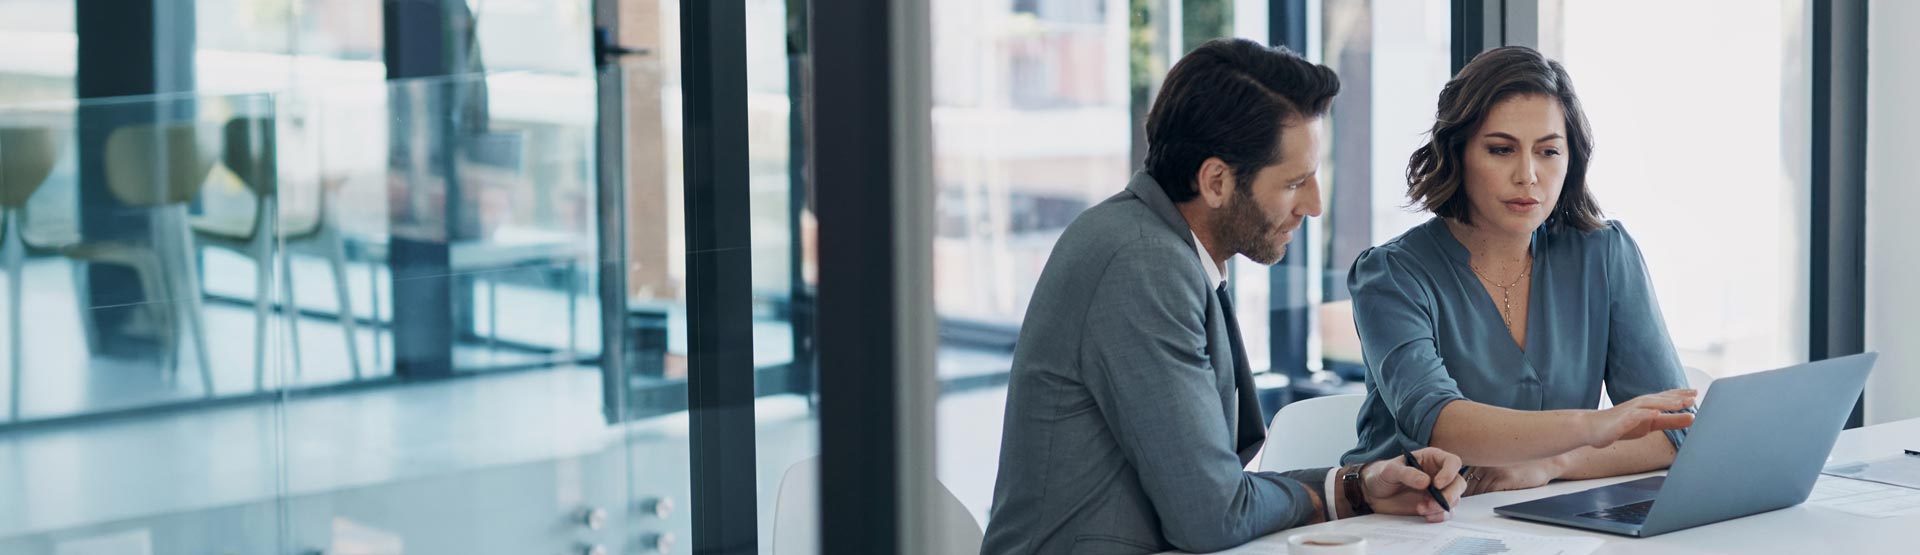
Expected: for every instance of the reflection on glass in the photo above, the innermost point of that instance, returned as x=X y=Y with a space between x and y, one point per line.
x=218 y=296
x=170 y=250
x=105 y=315
x=104 y=309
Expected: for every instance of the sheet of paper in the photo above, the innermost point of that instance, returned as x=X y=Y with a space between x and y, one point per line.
x=1868 y=499
x=1475 y=540
x=1416 y=538
x=1898 y=470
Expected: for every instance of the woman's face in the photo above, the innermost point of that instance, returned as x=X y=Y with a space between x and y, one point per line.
x=1516 y=163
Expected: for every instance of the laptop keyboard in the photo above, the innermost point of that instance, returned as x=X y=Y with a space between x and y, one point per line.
x=1633 y=513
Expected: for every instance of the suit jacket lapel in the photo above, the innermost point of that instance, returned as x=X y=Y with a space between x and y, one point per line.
x=1220 y=354
x=1251 y=428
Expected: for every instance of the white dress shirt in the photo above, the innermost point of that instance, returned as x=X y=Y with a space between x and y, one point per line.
x=1215 y=274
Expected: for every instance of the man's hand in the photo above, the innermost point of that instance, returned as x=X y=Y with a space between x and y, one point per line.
x=1394 y=488
x=1641 y=416
x=1531 y=474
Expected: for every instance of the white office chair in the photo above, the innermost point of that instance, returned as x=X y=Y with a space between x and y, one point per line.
x=252 y=152
x=160 y=167
x=1312 y=433
x=796 y=516
x=1699 y=380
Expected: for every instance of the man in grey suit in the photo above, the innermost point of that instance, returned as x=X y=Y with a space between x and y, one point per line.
x=1131 y=413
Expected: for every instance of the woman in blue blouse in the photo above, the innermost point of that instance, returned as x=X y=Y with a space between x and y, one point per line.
x=1489 y=329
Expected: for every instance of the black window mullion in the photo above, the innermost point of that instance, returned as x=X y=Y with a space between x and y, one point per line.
x=852 y=177
x=1837 y=284
x=720 y=376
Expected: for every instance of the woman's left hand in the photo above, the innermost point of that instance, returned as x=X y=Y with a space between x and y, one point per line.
x=1531 y=474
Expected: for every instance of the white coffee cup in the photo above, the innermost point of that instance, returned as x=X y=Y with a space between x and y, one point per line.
x=1326 y=544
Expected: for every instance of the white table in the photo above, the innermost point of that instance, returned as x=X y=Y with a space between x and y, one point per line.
x=1797 y=529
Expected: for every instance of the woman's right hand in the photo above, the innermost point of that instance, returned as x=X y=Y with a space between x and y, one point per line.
x=1641 y=416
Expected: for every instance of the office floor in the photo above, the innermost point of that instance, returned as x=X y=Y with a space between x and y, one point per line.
x=176 y=461
x=95 y=473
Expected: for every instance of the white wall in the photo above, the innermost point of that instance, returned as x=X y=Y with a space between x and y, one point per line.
x=1893 y=198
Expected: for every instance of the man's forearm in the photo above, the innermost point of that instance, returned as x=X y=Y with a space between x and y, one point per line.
x=1331 y=491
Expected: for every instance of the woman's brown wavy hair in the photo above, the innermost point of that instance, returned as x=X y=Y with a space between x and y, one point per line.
x=1436 y=172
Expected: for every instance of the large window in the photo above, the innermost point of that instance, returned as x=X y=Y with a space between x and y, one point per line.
x=1030 y=124
x=1737 y=307
x=1391 y=56
x=1038 y=114
x=1692 y=154
x=36 y=50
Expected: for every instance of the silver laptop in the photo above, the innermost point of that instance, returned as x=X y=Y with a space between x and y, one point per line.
x=1757 y=445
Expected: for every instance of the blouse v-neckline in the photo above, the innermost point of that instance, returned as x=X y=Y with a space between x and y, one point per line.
x=1490 y=307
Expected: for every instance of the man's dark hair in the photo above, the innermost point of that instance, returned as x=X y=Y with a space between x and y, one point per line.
x=1230 y=98
x=1436 y=172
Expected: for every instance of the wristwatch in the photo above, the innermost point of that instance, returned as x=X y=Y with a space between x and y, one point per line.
x=1356 y=495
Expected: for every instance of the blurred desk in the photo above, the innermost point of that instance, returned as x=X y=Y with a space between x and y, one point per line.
x=506 y=249
x=1798 y=529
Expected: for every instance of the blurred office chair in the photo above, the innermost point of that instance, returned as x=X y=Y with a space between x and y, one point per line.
x=1312 y=433
x=27 y=155
x=160 y=167
x=253 y=155
x=796 y=516
x=1697 y=379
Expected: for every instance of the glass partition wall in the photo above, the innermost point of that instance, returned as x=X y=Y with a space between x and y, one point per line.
x=359 y=318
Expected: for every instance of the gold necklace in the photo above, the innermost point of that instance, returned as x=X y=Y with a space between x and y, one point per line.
x=1506 y=291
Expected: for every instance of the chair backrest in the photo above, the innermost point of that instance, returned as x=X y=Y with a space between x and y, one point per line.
x=27 y=155
x=1699 y=379
x=796 y=516
x=1312 y=433
x=158 y=164
x=250 y=152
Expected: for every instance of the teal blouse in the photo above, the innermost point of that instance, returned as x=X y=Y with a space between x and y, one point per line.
x=1431 y=334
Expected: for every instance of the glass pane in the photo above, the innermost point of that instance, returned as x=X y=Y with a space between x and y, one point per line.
x=787 y=430
x=37 y=50
x=349 y=315
x=1392 y=58
x=109 y=339
x=1741 y=306
x=1032 y=113
x=278 y=45
x=497 y=426
x=654 y=262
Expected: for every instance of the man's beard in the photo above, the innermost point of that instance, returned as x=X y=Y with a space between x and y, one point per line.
x=1244 y=230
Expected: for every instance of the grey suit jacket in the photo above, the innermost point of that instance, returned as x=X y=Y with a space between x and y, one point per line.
x=1125 y=430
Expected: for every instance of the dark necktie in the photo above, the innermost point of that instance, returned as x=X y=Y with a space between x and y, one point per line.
x=1252 y=430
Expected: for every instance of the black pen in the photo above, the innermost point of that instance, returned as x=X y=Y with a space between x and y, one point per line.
x=1437 y=498
x=1912 y=452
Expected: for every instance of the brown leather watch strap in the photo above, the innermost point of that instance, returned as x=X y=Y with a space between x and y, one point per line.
x=1350 y=483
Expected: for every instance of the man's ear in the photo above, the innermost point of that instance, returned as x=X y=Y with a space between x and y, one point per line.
x=1215 y=182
